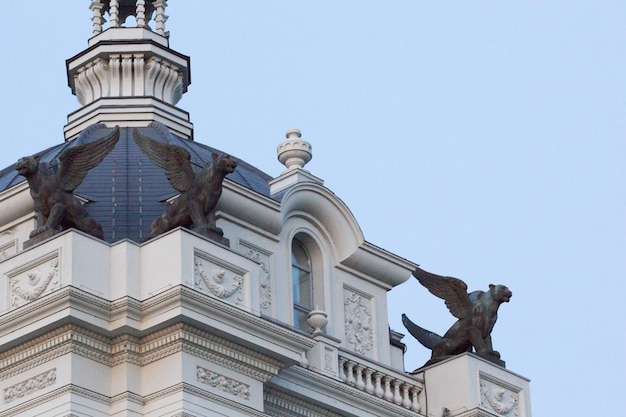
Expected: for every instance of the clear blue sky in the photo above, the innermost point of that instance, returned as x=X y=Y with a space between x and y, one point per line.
x=483 y=140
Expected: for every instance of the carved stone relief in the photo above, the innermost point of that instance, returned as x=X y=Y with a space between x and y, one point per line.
x=8 y=249
x=358 y=321
x=329 y=359
x=30 y=386
x=228 y=385
x=217 y=280
x=30 y=282
x=8 y=243
x=499 y=399
x=265 y=276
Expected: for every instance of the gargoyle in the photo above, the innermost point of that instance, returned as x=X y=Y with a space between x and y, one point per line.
x=199 y=192
x=56 y=208
x=477 y=313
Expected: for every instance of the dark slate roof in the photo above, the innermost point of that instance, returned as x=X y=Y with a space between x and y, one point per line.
x=127 y=191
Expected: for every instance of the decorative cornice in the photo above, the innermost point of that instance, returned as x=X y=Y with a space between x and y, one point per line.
x=22 y=409
x=138 y=351
x=140 y=311
x=280 y=404
x=205 y=395
x=244 y=320
x=61 y=341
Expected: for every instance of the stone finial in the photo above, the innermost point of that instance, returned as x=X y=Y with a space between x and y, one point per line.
x=294 y=152
x=317 y=319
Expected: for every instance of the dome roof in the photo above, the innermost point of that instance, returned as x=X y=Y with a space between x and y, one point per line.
x=127 y=191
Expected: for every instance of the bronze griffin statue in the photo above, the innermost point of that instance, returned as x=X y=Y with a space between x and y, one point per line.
x=56 y=208
x=476 y=312
x=199 y=191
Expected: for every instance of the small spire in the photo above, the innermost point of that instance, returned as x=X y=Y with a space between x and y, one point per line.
x=128 y=74
x=120 y=10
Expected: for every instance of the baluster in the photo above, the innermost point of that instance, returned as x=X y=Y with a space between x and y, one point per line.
x=351 y=380
x=415 y=406
x=160 y=17
x=406 y=399
x=342 y=372
x=378 y=388
x=397 y=398
x=388 y=395
x=369 y=387
x=360 y=384
x=140 y=13
x=114 y=14
x=97 y=19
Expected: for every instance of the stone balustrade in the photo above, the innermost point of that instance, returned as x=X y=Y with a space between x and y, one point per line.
x=377 y=380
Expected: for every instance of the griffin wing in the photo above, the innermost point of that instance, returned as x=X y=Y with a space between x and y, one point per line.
x=77 y=161
x=452 y=290
x=427 y=338
x=175 y=160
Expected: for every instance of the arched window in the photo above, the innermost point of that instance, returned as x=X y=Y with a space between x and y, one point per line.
x=302 y=284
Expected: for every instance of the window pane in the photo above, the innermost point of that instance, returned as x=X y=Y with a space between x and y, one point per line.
x=299 y=257
x=300 y=319
x=305 y=285
x=301 y=284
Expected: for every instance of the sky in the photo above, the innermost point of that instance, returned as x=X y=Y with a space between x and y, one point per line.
x=481 y=140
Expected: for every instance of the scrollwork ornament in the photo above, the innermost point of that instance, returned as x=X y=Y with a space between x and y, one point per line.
x=265 y=284
x=30 y=386
x=495 y=398
x=215 y=380
x=37 y=285
x=215 y=283
x=358 y=323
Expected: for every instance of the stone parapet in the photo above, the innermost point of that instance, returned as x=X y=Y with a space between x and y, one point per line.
x=467 y=385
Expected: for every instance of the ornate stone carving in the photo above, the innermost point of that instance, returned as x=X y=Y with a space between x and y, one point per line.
x=477 y=313
x=217 y=281
x=30 y=284
x=358 y=321
x=329 y=359
x=8 y=232
x=30 y=386
x=8 y=243
x=8 y=249
x=228 y=385
x=265 y=276
x=499 y=399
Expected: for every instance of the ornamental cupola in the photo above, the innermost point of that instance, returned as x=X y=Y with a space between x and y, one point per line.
x=128 y=75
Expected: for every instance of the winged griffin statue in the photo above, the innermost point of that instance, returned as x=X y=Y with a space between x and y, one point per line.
x=199 y=192
x=476 y=312
x=56 y=208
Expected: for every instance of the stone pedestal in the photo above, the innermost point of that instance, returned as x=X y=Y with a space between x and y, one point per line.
x=216 y=237
x=467 y=385
x=39 y=238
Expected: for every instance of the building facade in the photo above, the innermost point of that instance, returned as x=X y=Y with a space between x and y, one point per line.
x=286 y=315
